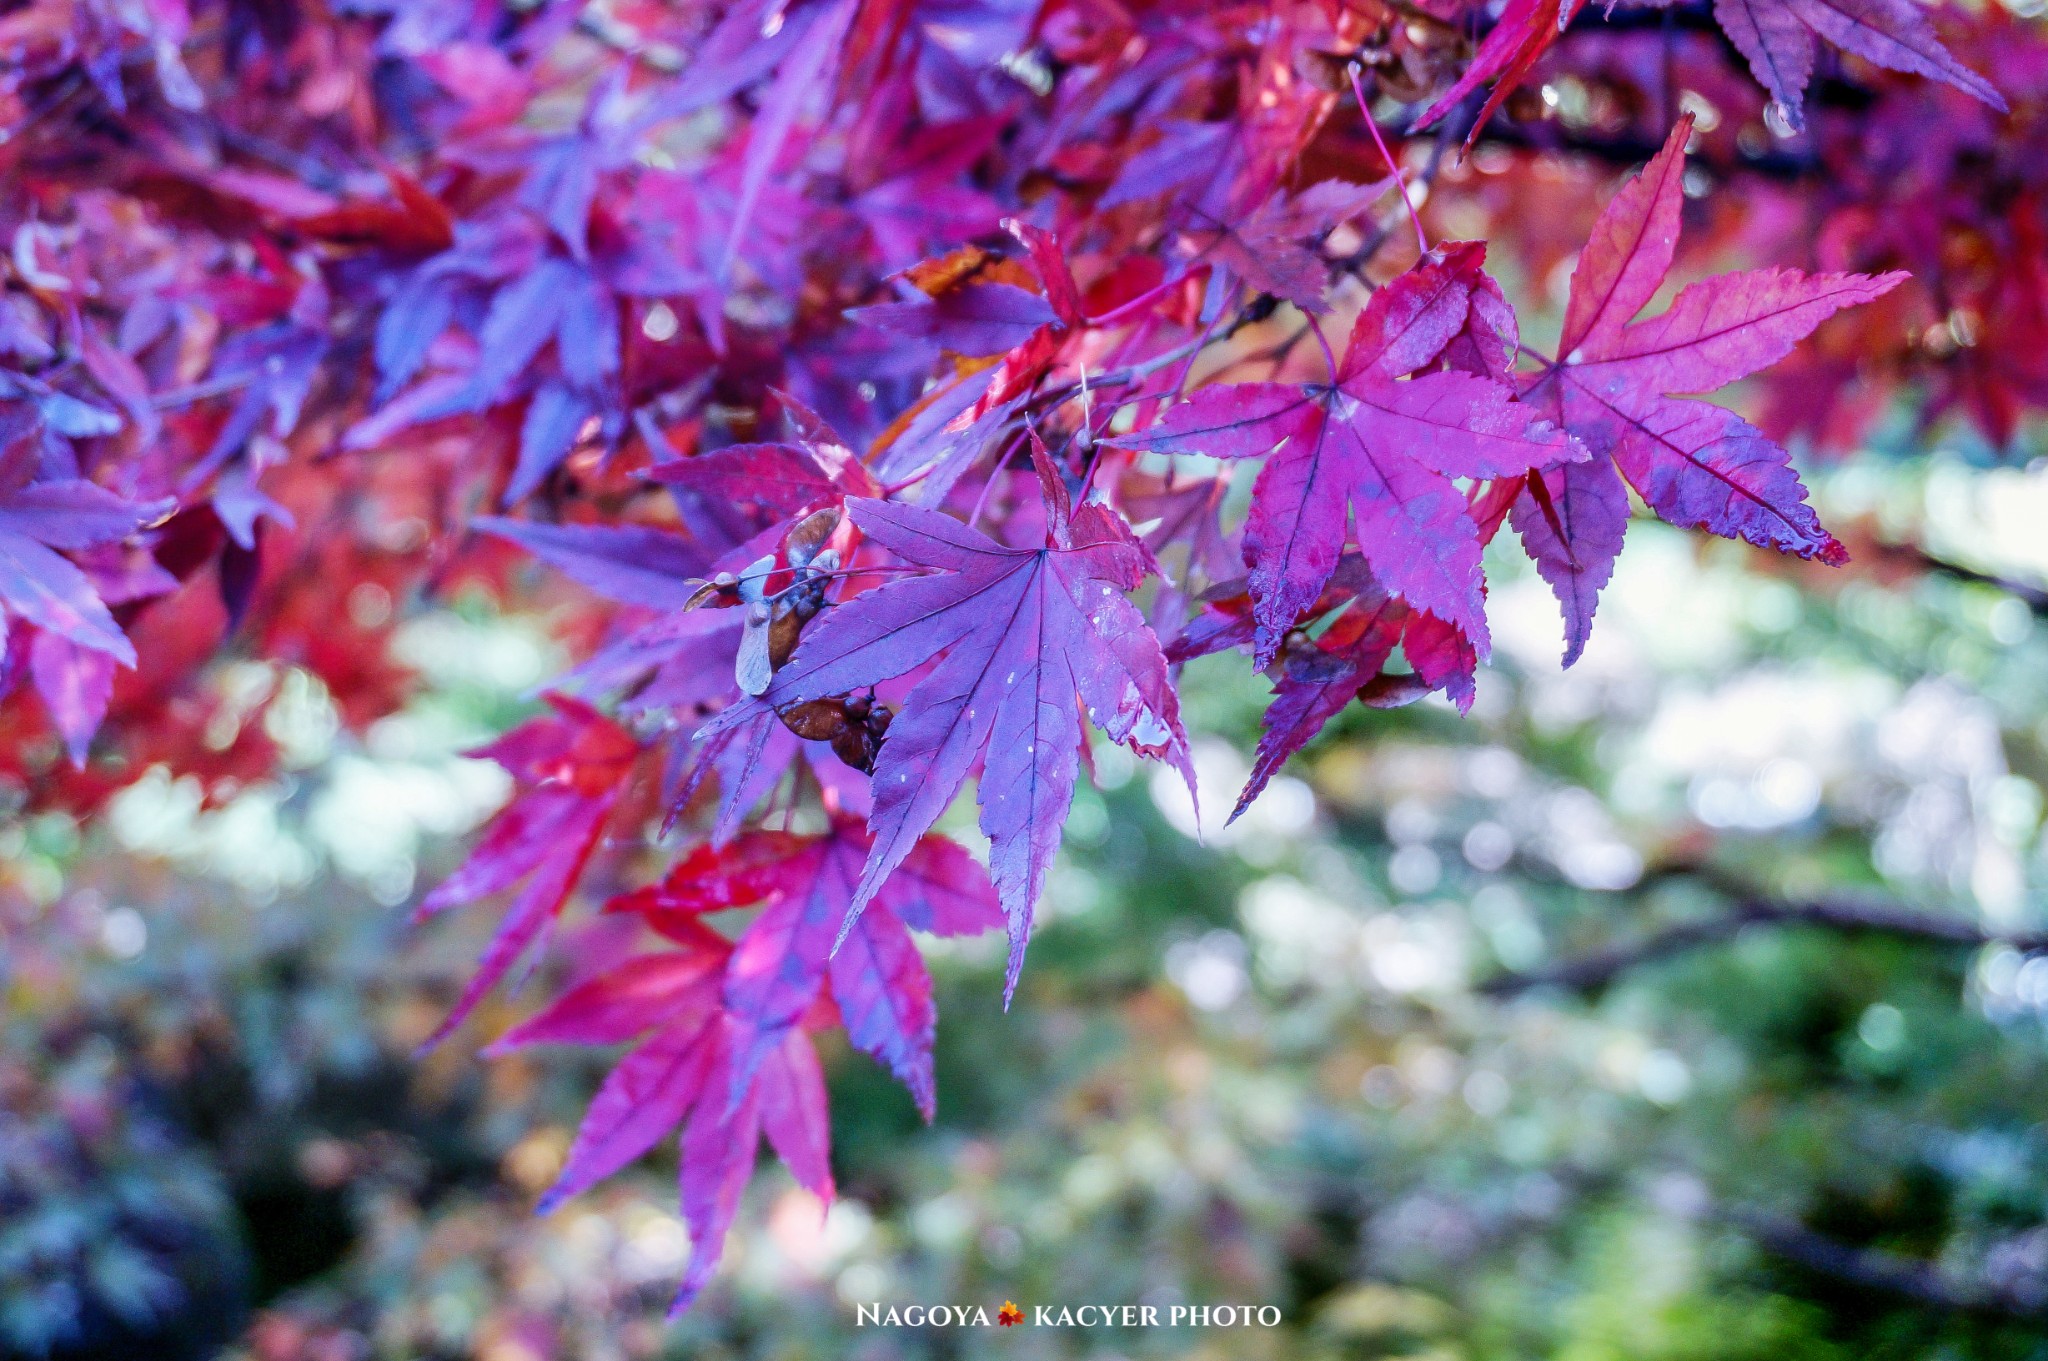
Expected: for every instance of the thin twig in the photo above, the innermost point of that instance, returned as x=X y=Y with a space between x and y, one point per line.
x=1447 y=133
x=1393 y=166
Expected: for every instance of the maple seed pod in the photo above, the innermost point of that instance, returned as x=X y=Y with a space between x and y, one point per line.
x=1392 y=692
x=752 y=667
x=1324 y=70
x=783 y=632
x=809 y=536
x=725 y=588
x=808 y=596
x=817 y=720
x=856 y=748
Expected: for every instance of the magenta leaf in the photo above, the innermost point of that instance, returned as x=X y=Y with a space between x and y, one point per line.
x=571 y=765
x=1318 y=678
x=793 y=1113
x=1697 y=465
x=642 y=1099
x=630 y=563
x=1379 y=446
x=75 y=683
x=718 y=1150
x=1023 y=633
x=1575 y=539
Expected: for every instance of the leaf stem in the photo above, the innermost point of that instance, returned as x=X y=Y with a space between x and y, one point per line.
x=1372 y=126
x=1329 y=357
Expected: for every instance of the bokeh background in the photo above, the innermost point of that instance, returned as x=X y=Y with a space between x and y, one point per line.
x=1559 y=1030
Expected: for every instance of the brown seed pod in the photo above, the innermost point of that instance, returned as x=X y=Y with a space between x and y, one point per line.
x=809 y=535
x=857 y=747
x=817 y=720
x=721 y=592
x=783 y=632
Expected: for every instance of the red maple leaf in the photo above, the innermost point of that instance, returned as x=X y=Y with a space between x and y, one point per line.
x=724 y=1046
x=1774 y=36
x=1383 y=446
x=571 y=766
x=1699 y=466
x=805 y=943
x=682 y=1071
x=1020 y=634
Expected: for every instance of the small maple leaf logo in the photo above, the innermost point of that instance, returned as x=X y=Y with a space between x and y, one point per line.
x=1009 y=1316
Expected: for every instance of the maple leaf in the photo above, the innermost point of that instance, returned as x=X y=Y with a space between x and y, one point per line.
x=260 y=288
x=1525 y=30
x=1319 y=677
x=1187 y=511
x=1697 y=465
x=1774 y=36
x=1264 y=248
x=1020 y=634
x=1384 y=446
x=778 y=482
x=682 y=1072
x=973 y=320
x=77 y=643
x=571 y=766
x=804 y=942
x=723 y=1047
x=917 y=193
x=39 y=584
x=635 y=564
x=416 y=223
x=76 y=684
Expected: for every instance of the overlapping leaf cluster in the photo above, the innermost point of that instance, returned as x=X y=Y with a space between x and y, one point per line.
x=889 y=366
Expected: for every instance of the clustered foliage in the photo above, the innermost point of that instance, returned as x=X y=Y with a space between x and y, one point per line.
x=885 y=365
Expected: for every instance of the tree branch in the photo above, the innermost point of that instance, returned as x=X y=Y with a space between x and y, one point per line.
x=1874 y=1269
x=1914 y=556
x=1593 y=971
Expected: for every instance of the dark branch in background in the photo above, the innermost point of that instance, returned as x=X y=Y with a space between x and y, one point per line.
x=1553 y=137
x=1874 y=1269
x=1829 y=88
x=1913 y=556
x=1592 y=971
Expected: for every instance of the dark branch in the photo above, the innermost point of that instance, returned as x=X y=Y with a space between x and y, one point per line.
x=1873 y=1269
x=1914 y=556
x=1553 y=137
x=1596 y=970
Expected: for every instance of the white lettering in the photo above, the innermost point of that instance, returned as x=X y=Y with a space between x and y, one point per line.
x=1148 y=1316
x=866 y=1314
x=1272 y=1309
